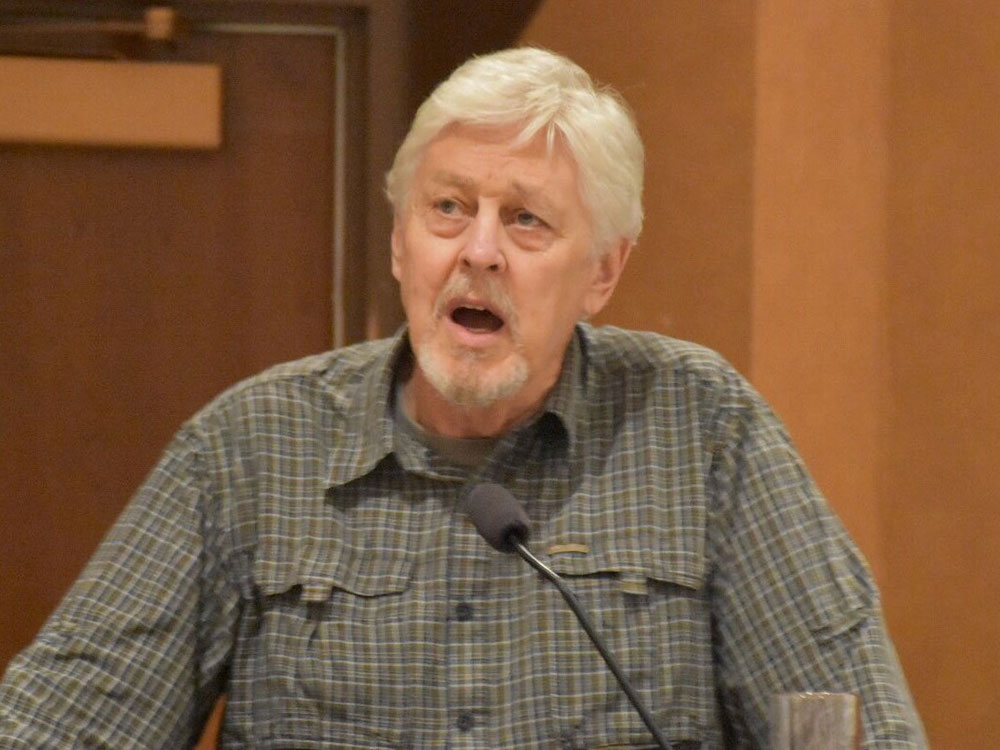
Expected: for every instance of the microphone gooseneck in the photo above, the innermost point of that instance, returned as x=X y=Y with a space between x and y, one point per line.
x=503 y=523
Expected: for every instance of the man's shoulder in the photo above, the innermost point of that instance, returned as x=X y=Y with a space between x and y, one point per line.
x=331 y=377
x=332 y=366
x=621 y=353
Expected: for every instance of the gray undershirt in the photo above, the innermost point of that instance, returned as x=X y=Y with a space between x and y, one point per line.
x=469 y=453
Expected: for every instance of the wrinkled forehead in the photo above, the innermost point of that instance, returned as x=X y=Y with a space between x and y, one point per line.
x=470 y=156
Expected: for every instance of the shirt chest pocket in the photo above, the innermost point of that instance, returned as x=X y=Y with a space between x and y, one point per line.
x=652 y=611
x=338 y=650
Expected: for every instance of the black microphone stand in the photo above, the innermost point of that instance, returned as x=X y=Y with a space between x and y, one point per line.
x=588 y=626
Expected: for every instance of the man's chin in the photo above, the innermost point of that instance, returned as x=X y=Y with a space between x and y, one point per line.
x=468 y=382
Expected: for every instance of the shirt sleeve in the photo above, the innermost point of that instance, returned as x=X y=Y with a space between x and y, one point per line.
x=795 y=607
x=135 y=653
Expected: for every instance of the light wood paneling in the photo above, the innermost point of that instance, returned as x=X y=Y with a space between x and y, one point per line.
x=105 y=103
x=819 y=247
x=859 y=231
x=941 y=505
x=691 y=274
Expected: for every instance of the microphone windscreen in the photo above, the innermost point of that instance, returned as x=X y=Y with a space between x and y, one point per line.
x=497 y=515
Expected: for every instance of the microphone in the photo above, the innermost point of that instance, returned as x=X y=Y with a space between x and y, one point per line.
x=497 y=516
x=503 y=523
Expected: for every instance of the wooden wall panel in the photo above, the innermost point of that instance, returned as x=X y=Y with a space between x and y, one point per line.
x=819 y=246
x=136 y=285
x=859 y=234
x=941 y=507
x=691 y=274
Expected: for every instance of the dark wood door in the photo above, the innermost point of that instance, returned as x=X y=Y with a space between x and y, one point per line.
x=136 y=284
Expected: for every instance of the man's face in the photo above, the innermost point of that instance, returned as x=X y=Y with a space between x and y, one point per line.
x=493 y=252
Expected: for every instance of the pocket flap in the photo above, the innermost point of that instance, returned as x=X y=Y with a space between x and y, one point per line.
x=332 y=564
x=654 y=535
x=837 y=599
x=630 y=562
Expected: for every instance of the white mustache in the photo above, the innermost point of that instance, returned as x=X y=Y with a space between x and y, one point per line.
x=486 y=289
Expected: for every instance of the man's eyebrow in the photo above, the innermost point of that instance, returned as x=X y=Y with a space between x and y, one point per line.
x=534 y=193
x=524 y=191
x=452 y=179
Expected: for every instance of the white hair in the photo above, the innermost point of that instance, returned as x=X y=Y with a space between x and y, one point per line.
x=540 y=91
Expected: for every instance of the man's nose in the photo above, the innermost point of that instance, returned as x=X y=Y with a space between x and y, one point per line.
x=482 y=252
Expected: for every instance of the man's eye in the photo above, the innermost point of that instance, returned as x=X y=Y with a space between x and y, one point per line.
x=527 y=219
x=448 y=207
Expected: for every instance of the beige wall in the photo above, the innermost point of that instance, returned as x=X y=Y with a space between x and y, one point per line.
x=823 y=208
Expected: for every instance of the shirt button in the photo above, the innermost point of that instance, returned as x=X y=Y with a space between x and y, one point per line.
x=465 y=722
x=463 y=612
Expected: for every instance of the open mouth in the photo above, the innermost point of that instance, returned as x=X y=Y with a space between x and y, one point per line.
x=477 y=319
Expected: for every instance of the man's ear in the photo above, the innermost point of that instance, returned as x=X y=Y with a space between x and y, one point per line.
x=396 y=242
x=607 y=271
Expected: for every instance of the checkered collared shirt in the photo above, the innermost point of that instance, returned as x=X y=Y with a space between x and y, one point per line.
x=296 y=551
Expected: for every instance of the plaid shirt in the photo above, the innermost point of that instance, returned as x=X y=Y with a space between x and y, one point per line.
x=298 y=552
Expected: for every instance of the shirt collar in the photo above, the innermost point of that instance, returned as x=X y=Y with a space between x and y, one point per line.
x=366 y=407
x=367 y=437
x=566 y=398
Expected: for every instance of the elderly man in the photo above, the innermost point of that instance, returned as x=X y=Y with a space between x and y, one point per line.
x=301 y=548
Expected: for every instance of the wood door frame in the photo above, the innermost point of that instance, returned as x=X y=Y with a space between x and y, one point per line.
x=375 y=53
